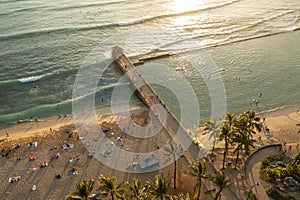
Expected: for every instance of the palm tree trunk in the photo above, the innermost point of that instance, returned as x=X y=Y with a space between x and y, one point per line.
x=224 y=157
x=161 y=197
x=218 y=195
x=225 y=152
x=237 y=158
x=112 y=196
x=175 y=169
x=199 y=191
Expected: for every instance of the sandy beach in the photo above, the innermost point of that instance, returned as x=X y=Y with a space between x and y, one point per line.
x=283 y=124
x=52 y=135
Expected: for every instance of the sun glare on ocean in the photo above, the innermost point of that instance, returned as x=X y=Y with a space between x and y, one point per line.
x=182 y=6
x=185 y=5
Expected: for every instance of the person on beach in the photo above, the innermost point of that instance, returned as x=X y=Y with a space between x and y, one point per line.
x=32 y=158
x=7 y=135
x=284 y=149
x=58 y=176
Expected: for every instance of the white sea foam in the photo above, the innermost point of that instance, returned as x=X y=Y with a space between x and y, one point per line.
x=29 y=79
x=131 y=23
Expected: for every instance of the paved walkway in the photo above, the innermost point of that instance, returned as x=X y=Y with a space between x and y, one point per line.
x=157 y=106
x=253 y=163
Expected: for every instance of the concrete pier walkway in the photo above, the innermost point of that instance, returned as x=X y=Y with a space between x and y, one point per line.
x=156 y=105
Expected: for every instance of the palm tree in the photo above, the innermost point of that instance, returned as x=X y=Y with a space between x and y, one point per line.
x=246 y=125
x=198 y=172
x=226 y=134
x=219 y=178
x=138 y=191
x=84 y=190
x=243 y=143
x=249 y=123
x=212 y=128
x=172 y=149
x=159 y=188
x=108 y=186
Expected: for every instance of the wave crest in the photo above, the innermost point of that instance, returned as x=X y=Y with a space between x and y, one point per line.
x=29 y=79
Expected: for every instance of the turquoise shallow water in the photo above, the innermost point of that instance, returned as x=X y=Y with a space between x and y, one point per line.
x=44 y=43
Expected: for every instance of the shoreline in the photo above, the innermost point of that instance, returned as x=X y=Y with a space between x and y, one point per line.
x=23 y=120
x=25 y=129
x=28 y=128
x=276 y=112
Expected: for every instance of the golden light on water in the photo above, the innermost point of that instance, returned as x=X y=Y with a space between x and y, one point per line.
x=181 y=6
x=185 y=5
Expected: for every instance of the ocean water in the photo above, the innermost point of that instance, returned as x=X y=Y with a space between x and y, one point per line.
x=255 y=44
